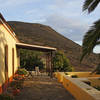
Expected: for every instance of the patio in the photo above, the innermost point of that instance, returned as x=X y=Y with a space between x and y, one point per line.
x=43 y=88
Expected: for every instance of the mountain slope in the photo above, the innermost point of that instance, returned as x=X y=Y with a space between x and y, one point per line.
x=44 y=35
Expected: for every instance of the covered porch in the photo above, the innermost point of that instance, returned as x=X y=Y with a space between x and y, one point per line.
x=49 y=52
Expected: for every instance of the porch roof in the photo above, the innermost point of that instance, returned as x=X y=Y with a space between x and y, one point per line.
x=35 y=47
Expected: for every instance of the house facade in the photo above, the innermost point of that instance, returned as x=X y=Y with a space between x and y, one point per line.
x=9 y=55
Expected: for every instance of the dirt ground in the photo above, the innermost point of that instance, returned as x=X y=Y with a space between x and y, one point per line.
x=43 y=88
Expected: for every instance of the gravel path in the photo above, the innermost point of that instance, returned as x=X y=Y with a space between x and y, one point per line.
x=43 y=88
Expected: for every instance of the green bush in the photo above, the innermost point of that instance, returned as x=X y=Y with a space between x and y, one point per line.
x=66 y=73
x=22 y=71
x=6 y=97
x=74 y=76
x=87 y=82
x=61 y=62
x=97 y=87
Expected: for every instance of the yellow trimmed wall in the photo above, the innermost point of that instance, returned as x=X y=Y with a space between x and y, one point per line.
x=7 y=39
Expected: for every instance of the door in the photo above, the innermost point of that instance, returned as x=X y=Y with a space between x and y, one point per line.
x=13 y=61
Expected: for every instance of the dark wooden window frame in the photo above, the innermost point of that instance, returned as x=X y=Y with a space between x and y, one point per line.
x=6 y=62
x=13 y=63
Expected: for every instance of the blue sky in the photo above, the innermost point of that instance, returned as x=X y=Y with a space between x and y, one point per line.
x=65 y=16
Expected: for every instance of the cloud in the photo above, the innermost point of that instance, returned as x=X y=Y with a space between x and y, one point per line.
x=65 y=16
x=66 y=6
x=12 y=3
x=71 y=28
x=33 y=11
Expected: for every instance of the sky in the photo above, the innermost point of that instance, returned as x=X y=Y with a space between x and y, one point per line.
x=65 y=16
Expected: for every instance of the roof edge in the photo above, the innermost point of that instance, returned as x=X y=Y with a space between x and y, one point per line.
x=36 y=46
x=12 y=33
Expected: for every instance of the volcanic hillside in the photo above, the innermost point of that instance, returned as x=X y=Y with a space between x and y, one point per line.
x=39 y=34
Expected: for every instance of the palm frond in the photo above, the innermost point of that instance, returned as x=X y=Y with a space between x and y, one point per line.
x=93 y=6
x=87 y=4
x=91 y=39
x=90 y=5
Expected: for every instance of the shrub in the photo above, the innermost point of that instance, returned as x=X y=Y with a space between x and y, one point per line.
x=87 y=82
x=6 y=97
x=74 y=76
x=97 y=87
x=22 y=71
x=61 y=63
x=66 y=74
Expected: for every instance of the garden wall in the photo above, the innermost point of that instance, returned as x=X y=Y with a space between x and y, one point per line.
x=77 y=88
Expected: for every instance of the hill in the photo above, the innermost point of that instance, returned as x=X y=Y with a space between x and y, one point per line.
x=39 y=34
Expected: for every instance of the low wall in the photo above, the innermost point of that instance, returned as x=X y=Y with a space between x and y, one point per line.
x=77 y=88
x=83 y=74
x=60 y=76
x=95 y=81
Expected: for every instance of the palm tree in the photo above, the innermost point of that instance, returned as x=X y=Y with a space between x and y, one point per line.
x=92 y=37
x=90 y=5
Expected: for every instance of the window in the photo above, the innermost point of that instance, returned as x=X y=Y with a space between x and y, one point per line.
x=13 y=61
x=6 y=62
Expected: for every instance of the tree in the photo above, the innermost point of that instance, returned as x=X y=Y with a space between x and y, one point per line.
x=61 y=63
x=92 y=37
